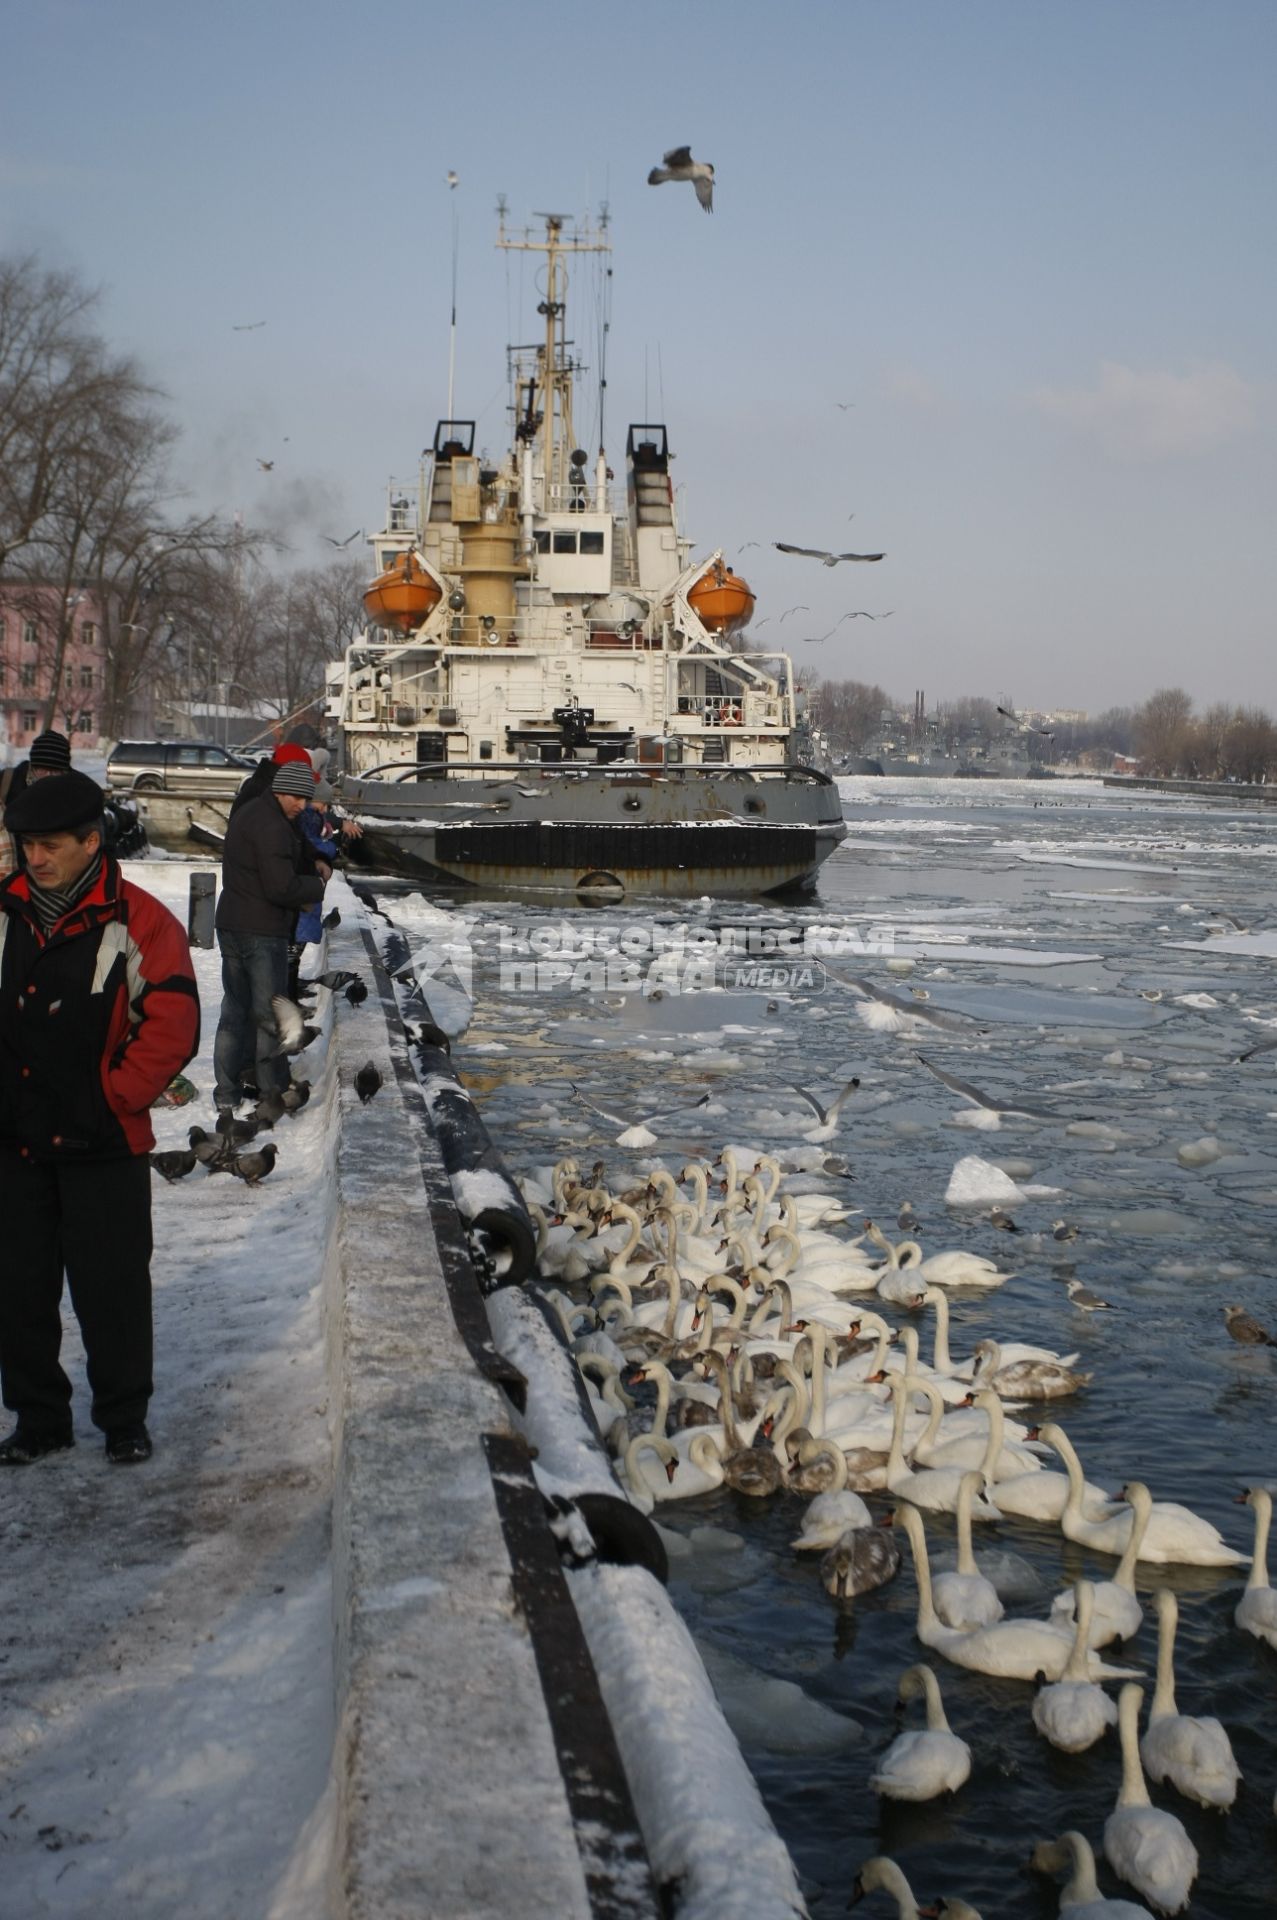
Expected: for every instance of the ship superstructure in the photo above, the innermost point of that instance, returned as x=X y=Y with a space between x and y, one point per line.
x=542 y=648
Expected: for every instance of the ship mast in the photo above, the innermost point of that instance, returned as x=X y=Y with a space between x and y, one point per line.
x=554 y=367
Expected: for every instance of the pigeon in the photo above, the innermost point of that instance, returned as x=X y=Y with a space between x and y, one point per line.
x=1245 y=1329
x=335 y=981
x=357 y=993
x=367 y=1081
x=1063 y=1230
x=252 y=1168
x=988 y=1100
x=269 y=1109
x=331 y=919
x=236 y=1131
x=826 y=1117
x=1089 y=1302
x=295 y=1096
x=819 y=553
x=679 y=165
x=210 y=1150
x=341 y=543
x=290 y=1025
x=1001 y=1219
x=175 y=1166
x=636 y=1128
x=428 y=1035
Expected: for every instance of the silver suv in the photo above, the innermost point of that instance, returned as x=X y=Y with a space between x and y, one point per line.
x=176 y=766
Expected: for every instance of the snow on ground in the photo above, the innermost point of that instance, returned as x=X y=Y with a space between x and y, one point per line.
x=165 y=1667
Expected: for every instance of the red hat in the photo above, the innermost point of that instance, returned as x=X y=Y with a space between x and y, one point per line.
x=286 y=751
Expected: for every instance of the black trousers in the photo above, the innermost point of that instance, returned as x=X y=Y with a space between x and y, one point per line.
x=93 y=1222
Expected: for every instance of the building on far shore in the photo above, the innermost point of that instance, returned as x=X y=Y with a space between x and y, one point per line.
x=52 y=665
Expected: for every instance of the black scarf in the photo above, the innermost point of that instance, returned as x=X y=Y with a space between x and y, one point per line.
x=49 y=905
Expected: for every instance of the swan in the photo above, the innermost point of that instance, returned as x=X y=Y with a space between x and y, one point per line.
x=955 y=1268
x=811 y=1465
x=1026 y=1379
x=811 y=1208
x=935 y=1488
x=1256 y=1611
x=882 y=1875
x=829 y=1516
x=1041 y=1495
x=1195 y=1755
x=1145 y=1847
x=964 y=1598
x=952 y=1392
x=1117 y=1613
x=968 y=1446
x=1174 y=1534
x=1011 y=1351
x=1074 y=1713
x=1080 y=1897
x=921 y=1763
x=1009 y=1649
x=861 y=1559
x=676 y=1477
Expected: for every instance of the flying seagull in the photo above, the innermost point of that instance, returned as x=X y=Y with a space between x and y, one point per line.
x=1263 y=1046
x=800 y=608
x=844 y=405
x=266 y=466
x=453 y=179
x=636 y=1127
x=249 y=326
x=341 y=543
x=1025 y=726
x=679 y=165
x=819 y=553
x=908 y=1009
x=860 y=614
x=987 y=1100
x=814 y=639
x=826 y=1117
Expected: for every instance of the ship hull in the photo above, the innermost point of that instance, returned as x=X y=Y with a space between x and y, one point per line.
x=730 y=835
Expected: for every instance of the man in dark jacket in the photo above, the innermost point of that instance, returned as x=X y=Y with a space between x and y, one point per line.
x=98 y=1011
x=267 y=874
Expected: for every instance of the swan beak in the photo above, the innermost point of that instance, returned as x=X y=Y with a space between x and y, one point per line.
x=671 y=1468
x=1242 y=1499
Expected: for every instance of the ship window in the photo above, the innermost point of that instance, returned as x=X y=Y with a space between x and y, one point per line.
x=591 y=543
x=565 y=543
x=543 y=542
x=485 y=749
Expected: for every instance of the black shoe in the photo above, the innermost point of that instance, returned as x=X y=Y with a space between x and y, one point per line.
x=125 y=1446
x=23 y=1446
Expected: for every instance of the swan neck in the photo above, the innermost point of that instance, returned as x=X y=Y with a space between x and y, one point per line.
x=940 y=1349
x=936 y=1721
x=896 y=1457
x=1078 y=1665
x=1263 y=1520
x=1073 y=1467
x=997 y=1428
x=927 y=1617
x=1134 y=1793
x=1082 y=1885
x=966 y=1556
x=1125 y=1575
x=1164 y=1694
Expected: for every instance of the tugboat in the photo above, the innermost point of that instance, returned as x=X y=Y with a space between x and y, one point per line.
x=550 y=694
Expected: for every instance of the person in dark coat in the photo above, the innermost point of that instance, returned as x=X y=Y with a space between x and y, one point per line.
x=98 y=1012
x=267 y=875
x=259 y=780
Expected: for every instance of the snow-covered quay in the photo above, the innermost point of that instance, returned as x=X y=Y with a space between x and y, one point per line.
x=317 y=1658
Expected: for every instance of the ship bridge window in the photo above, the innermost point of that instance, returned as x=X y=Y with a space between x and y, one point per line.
x=565 y=543
x=591 y=543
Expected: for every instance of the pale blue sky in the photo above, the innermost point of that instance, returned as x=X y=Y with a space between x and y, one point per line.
x=1032 y=242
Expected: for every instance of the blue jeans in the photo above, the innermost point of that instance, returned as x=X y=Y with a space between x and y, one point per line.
x=254 y=967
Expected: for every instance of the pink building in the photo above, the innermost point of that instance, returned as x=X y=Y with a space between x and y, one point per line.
x=46 y=635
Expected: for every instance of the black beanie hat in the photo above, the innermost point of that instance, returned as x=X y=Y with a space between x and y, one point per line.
x=56 y=805
x=52 y=751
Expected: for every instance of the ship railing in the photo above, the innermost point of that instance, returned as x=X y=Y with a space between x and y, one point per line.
x=613 y=772
x=573 y=496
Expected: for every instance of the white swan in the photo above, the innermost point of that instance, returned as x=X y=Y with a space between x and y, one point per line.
x=1117 y=1613
x=956 y=1268
x=882 y=1875
x=1173 y=1536
x=1009 y=1649
x=829 y=1516
x=1195 y=1755
x=964 y=1598
x=1145 y=1847
x=1042 y=1495
x=1010 y=1351
x=1074 y=1713
x=922 y=1762
x=1080 y=1897
x=1256 y=1611
x=969 y=1444
x=933 y=1488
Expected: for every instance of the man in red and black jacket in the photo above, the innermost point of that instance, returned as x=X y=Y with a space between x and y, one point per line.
x=98 y=1011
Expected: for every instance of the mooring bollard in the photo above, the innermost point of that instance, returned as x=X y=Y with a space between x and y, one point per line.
x=199 y=919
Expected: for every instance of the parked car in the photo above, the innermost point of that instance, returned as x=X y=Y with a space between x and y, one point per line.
x=176 y=766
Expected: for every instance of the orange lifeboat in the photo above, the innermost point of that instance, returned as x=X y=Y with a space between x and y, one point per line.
x=403 y=596
x=721 y=600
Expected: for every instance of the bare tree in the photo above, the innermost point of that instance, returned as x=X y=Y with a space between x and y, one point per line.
x=1163 y=730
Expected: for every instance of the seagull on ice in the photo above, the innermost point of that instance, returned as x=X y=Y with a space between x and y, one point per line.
x=1245 y=1329
x=826 y=1117
x=987 y=1100
x=1089 y=1302
x=679 y=165
x=819 y=553
x=636 y=1128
